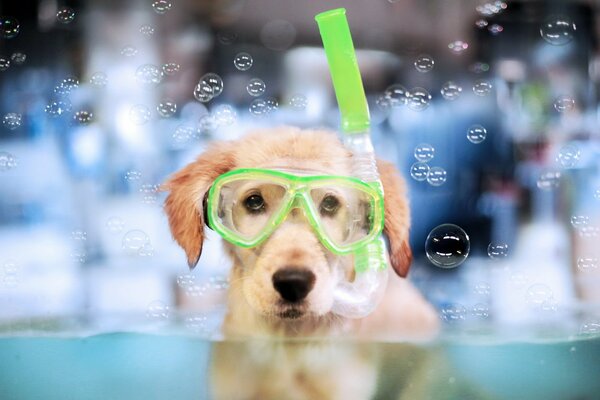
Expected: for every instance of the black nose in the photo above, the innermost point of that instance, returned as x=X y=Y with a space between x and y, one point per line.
x=293 y=284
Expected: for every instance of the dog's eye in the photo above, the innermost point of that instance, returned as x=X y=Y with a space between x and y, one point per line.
x=329 y=205
x=254 y=203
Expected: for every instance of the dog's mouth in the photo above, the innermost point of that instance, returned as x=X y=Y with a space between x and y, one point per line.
x=291 y=313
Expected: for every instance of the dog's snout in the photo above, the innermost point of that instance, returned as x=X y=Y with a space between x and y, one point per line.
x=293 y=283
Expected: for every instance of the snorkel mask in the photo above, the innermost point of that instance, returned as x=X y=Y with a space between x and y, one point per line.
x=245 y=206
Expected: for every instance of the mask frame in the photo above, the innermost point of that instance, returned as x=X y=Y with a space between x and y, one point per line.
x=297 y=195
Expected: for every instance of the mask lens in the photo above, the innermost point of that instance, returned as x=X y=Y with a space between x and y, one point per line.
x=345 y=213
x=247 y=206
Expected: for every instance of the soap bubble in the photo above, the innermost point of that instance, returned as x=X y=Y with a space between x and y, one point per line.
x=419 y=99
x=83 y=117
x=482 y=288
x=4 y=63
x=225 y=115
x=18 y=58
x=564 y=103
x=519 y=280
x=171 y=69
x=277 y=35
x=218 y=282
x=12 y=120
x=424 y=152
x=495 y=29
x=129 y=51
x=79 y=256
x=157 y=311
x=590 y=328
x=196 y=323
x=450 y=91
x=482 y=88
x=243 y=61
x=272 y=104
x=146 y=30
x=114 y=225
x=480 y=310
x=259 y=107
x=203 y=92
x=58 y=108
x=208 y=123
x=215 y=82
x=458 y=46
x=397 y=94
x=497 y=250
x=588 y=231
x=134 y=240
x=139 y=114
x=424 y=63
x=7 y=161
x=184 y=133
x=227 y=38
x=161 y=6
x=436 y=176
x=256 y=87
x=447 y=246
x=549 y=305
x=147 y=250
x=166 y=108
x=597 y=194
x=149 y=196
x=481 y=23
x=99 y=79
x=558 y=30
x=67 y=85
x=587 y=264
x=78 y=235
x=538 y=293
x=454 y=313
x=479 y=67
x=9 y=27
x=148 y=74
x=9 y=272
x=186 y=280
x=476 y=134
x=383 y=103
x=65 y=15
x=419 y=171
x=578 y=221
x=568 y=156
x=133 y=175
x=548 y=180
x=298 y=102
x=195 y=290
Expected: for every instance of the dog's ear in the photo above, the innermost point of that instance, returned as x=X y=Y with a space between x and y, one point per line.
x=187 y=188
x=397 y=217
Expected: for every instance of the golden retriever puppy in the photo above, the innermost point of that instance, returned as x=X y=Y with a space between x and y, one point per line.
x=261 y=299
x=260 y=304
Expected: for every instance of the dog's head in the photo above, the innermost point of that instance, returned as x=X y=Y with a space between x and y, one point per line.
x=291 y=274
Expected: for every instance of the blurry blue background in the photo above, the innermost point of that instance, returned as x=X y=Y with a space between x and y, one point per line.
x=89 y=131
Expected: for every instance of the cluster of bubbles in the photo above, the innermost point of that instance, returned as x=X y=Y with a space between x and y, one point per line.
x=421 y=171
x=149 y=193
x=4 y=63
x=12 y=120
x=454 y=313
x=491 y=9
x=137 y=242
x=447 y=246
x=243 y=61
x=261 y=107
x=581 y=223
x=458 y=46
x=193 y=288
x=56 y=108
x=7 y=161
x=558 y=30
x=9 y=273
x=209 y=87
x=220 y=116
x=148 y=74
x=65 y=15
x=17 y=58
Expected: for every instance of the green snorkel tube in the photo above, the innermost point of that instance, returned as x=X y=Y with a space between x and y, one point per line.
x=358 y=298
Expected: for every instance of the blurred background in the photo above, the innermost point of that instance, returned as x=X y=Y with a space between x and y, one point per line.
x=489 y=109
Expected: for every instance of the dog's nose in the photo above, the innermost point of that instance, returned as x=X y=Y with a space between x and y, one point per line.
x=293 y=284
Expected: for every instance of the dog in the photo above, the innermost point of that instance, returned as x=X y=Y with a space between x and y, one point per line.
x=257 y=308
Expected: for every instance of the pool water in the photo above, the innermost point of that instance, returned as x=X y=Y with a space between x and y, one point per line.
x=170 y=364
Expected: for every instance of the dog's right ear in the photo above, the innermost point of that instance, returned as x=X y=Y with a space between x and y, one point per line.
x=187 y=188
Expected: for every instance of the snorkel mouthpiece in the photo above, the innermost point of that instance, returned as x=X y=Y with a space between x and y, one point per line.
x=358 y=298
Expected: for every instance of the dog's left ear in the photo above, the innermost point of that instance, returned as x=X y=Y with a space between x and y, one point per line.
x=397 y=217
x=187 y=188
